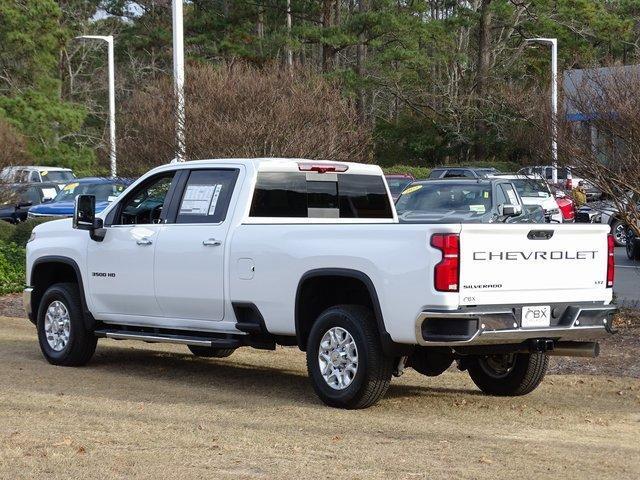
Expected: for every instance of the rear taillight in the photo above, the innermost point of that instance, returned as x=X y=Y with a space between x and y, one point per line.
x=446 y=274
x=611 y=266
x=568 y=184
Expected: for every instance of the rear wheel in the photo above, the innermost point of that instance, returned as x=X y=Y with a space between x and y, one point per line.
x=210 y=352
x=345 y=361
x=510 y=374
x=64 y=339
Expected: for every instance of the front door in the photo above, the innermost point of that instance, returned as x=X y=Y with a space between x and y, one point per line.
x=189 y=260
x=121 y=267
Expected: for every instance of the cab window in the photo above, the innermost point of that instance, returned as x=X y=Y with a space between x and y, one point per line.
x=145 y=204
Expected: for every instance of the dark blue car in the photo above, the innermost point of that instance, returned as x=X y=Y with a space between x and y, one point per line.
x=105 y=190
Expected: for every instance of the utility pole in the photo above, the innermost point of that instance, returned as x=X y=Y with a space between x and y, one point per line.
x=289 y=52
x=553 y=42
x=112 y=96
x=178 y=78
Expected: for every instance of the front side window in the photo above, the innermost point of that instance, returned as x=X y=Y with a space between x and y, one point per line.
x=445 y=197
x=296 y=195
x=206 y=196
x=145 y=204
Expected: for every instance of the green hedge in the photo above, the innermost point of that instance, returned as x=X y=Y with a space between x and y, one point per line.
x=423 y=172
x=12 y=268
x=13 y=240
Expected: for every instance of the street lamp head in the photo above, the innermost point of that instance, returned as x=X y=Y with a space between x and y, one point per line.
x=106 y=38
x=550 y=41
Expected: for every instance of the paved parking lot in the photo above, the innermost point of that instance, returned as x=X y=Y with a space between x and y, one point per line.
x=627 y=285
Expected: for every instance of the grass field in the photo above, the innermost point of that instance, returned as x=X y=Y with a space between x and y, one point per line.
x=155 y=411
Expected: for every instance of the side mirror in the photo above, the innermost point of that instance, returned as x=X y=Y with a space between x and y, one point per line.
x=84 y=217
x=24 y=204
x=84 y=213
x=510 y=210
x=47 y=200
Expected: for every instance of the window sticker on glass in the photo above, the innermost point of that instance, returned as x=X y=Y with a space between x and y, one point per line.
x=214 y=200
x=197 y=199
x=477 y=208
x=49 y=193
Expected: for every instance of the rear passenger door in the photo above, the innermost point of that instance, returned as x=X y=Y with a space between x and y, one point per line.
x=190 y=252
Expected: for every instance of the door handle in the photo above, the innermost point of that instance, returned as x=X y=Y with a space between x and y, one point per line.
x=211 y=242
x=144 y=241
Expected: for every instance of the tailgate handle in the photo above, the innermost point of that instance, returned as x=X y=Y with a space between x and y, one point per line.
x=540 y=234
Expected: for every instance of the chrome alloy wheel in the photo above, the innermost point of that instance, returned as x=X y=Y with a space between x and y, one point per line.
x=57 y=324
x=338 y=358
x=620 y=234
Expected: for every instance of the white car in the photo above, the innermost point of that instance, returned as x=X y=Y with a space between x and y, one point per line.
x=567 y=179
x=221 y=254
x=535 y=191
x=31 y=174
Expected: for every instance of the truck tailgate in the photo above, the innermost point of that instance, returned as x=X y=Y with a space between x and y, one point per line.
x=533 y=263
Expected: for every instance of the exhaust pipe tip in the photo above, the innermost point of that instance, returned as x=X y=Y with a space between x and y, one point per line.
x=576 y=349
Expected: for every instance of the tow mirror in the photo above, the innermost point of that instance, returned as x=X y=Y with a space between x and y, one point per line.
x=84 y=217
x=510 y=210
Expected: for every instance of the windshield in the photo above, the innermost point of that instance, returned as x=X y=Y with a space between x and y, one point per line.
x=396 y=185
x=445 y=197
x=531 y=187
x=58 y=176
x=102 y=191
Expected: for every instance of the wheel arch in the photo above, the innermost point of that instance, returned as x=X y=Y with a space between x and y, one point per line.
x=51 y=269
x=358 y=289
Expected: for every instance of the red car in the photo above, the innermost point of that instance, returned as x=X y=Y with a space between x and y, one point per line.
x=566 y=205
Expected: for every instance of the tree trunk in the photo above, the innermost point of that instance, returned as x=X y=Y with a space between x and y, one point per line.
x=328 y=52
x=361 y=56
x=482 y=76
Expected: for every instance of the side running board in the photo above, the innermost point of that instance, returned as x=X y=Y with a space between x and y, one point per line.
x=169 y=338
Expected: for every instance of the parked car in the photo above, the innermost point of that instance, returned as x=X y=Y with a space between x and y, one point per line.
x=567 y=179
x=17 y=198
x=30 y=174
x=464 y=201
x=397 y=183
x=565 y=203
x=260 y=252
x=105 y=191
x=604 y=212
x=462 y=172
x=533 y=190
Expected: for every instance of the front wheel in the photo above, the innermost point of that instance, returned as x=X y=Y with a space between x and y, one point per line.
x=63 y=336
x=619 y=232
x=510 y=374
x=345 y=360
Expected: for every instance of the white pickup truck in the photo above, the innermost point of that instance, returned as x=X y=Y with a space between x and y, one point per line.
x=220 y=254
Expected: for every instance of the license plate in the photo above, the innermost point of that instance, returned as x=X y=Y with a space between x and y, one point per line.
x=534 y=317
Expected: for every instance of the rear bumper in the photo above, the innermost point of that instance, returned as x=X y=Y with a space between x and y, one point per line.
x=502 y=325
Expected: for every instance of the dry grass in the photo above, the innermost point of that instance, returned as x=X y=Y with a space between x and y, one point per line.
x=150 y=411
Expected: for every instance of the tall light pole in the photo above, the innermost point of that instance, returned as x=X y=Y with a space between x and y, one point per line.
x=553 y=42
x=112 y=97
x=178 y=78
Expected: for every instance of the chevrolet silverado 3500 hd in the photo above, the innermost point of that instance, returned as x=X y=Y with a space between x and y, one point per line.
x=220 y=254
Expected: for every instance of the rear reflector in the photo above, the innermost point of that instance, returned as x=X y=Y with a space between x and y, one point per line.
x=446 y=273
x=322 y=167
x=611 y=265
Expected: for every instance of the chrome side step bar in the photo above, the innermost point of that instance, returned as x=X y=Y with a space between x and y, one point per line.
x=169 y=338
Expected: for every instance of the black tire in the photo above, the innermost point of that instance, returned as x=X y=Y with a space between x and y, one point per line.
x=618 y=227
x=81 y=342
x=210 y=352
x=525 y=373
x=633 y=246
x=374 y=368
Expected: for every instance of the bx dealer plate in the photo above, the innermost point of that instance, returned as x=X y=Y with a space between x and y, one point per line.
x=536 y=316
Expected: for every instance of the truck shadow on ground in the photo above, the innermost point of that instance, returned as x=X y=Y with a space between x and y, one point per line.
x=142 y=374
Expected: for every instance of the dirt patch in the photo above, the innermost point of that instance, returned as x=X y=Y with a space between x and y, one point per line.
x=11 y=305
x=155 y=411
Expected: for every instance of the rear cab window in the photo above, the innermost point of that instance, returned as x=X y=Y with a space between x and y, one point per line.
x=320 y=195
